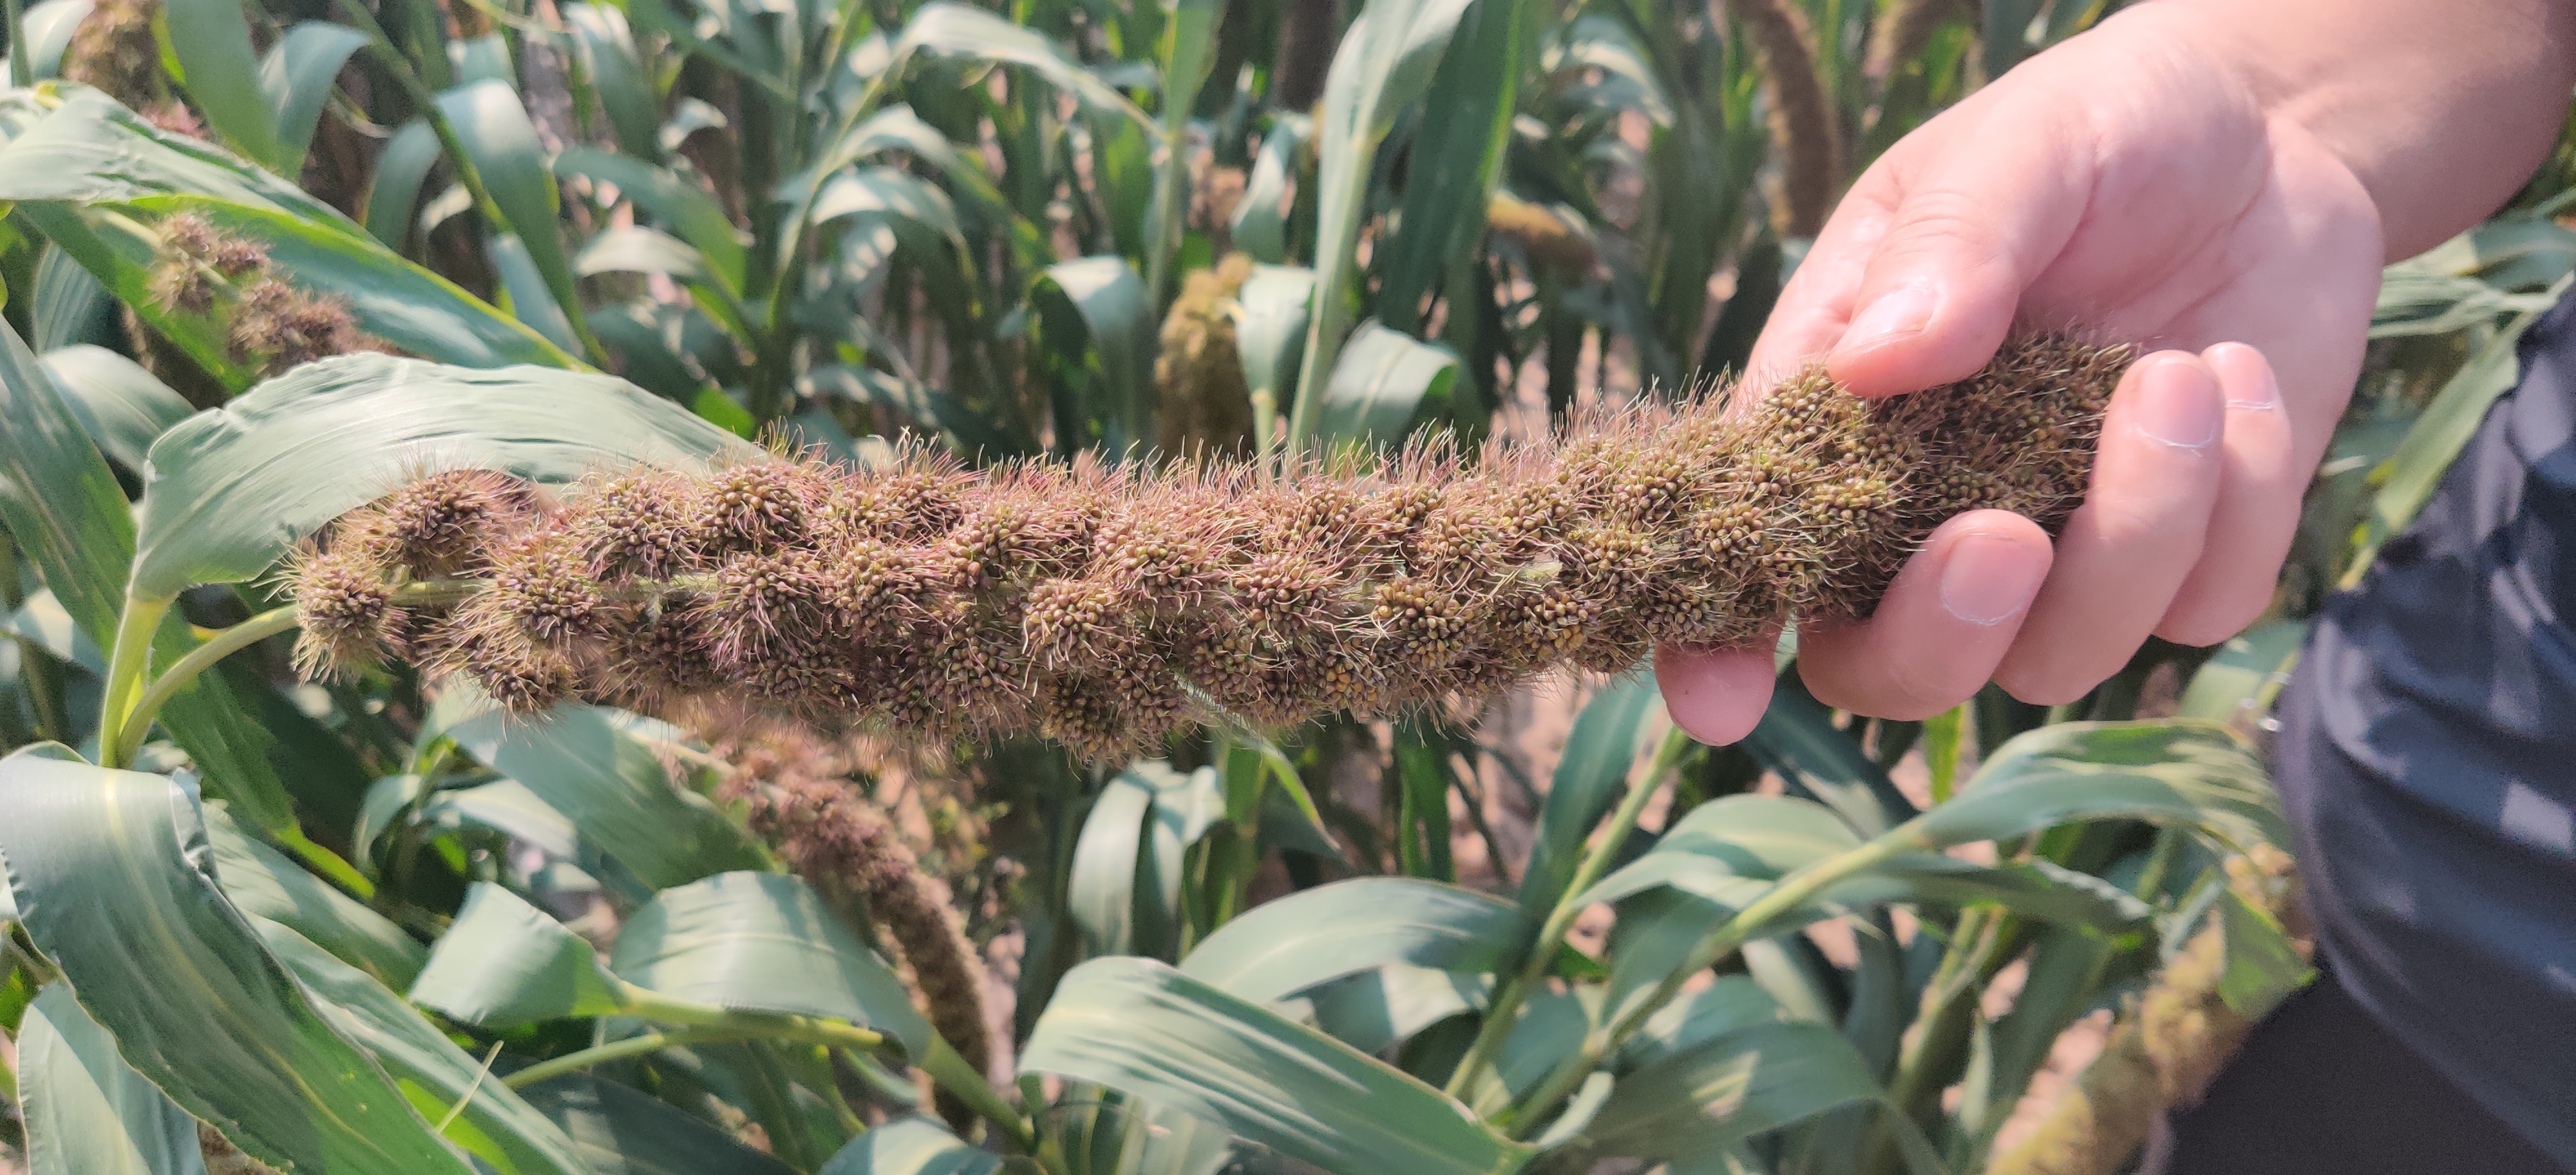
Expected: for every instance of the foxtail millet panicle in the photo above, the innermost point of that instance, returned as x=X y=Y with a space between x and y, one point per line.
x=1108 y=606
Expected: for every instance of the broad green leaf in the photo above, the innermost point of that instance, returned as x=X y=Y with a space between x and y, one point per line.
x=1292 y=943
x=583 y=763
x=685 y=209
x=61 y=503
x=618 y=1131
x=2407 y=481
x=92 y=176
x=42 y=620
x=764 y=942
x=1798 y=739
x=1100 y=891
x=1375 y=1009
x=64 y=510
x=233 y=489
x=642 y=250
x=956 y=30
x=1587 y=784
x=1719 y=1066
x=2248 y=669
x=490 y=1120
x=400 y=171
x=2187 y=773
x=1187 y=53
x=1148 y=1031
x=1095 y=314
x=495 y=132
x=296 y=75
x=108 y=870
x=2263 y=965
x=483 y=59
x=1270 y=331
x=122 y=407
x=1457 y=157
x=504 y=963
x=606 y=49
x=262 y=883
x=2415 y=301
x=1385 y=62
x=1383 y=375
x=1260 y=225
x=71 y=306
x=86 y=1112
x=209 y=40
x=524 y=290
x=50 y=26
x=911 y=1146
x=898 y=128
x=885 y=191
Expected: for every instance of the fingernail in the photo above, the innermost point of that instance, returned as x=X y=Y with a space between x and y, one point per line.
x=2177 y=407
x=2263 y=392
x=1905 y=310
x=1990 y=579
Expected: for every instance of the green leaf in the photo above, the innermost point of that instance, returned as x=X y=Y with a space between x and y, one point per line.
x=1096 y=316
x=1457 y=158
x=606 y=49
x=1148 y=1031
x=523 y=288
x=686 y=209
x=400 y=171
x=297 y=75
x=50 y=26
x=63 y=509
x=495 y=132
x=86 y=1111
x=1260 y=225
x=504 y=963
x=618 y=1131
x=1292 y=943
x=490 y=1120
x=2407 y=481
x=955 y=30
x=1270 y=329
x=2263 y=965
x=585 y=763
x=262 y=883
x=1798 y=739
x=1385 y=63
x=235 y=488
x=70 y=306
x=107 y=870
x=2188 y=773
x=642 y=250
x=122 y=407
x=764 y=942
x=911 y=1146
x=1382 y=377
x=1101 y=891
x=2248 y=670
x=1587 y=784
x=91 y=175
x=210 y=41
x=1719 y=1066
x=60 y=501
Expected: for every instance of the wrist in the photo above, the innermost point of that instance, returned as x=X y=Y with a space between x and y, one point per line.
x=2439 y=109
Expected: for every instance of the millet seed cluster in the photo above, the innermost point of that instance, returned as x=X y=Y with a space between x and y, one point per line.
x=1106 y=607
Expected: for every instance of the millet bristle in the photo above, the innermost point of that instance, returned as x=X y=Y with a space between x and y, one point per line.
x=1109 y=607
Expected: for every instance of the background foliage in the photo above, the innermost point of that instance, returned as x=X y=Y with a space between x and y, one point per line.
x=357 y=926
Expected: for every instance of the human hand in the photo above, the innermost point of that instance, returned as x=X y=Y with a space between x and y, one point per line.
x=2132 y=184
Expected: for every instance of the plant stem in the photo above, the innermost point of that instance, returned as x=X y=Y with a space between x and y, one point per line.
x=138 y=723
x=942 y=1063
x=615 y=1050
x=127 y=663
x=22 y=69
x=1569 y=905
x=1793 y=891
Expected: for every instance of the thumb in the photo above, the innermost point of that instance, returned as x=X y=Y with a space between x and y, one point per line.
x=1976 y=217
